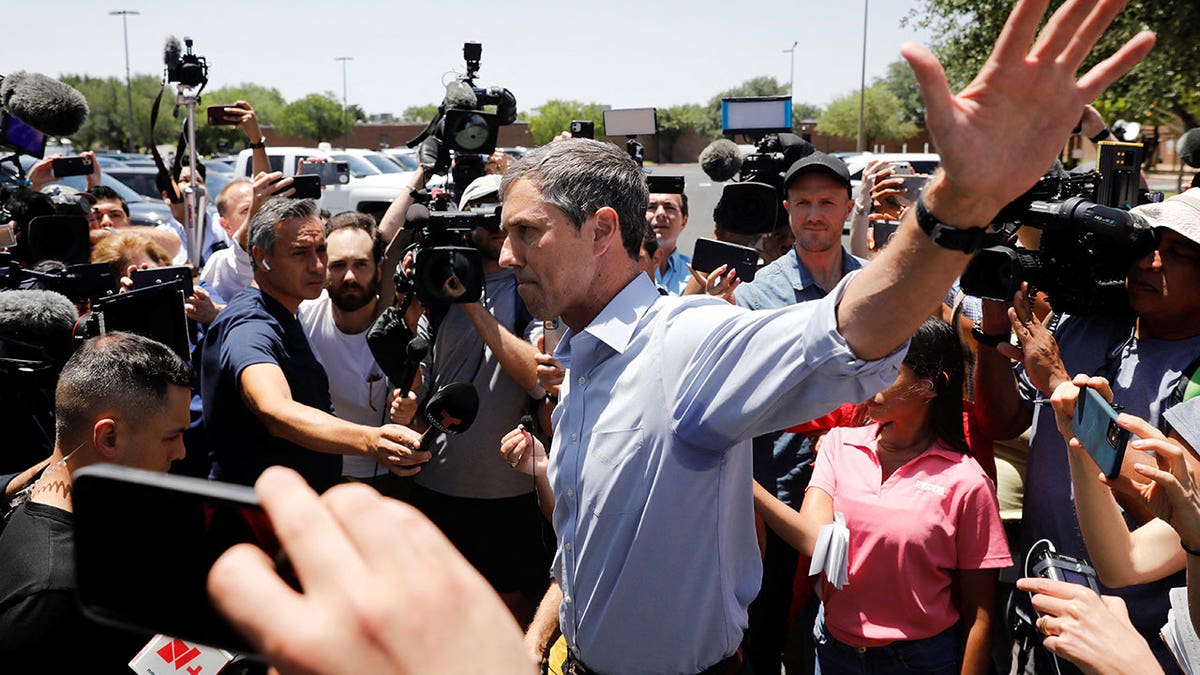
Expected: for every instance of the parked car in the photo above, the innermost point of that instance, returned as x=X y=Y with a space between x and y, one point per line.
x=405 y=157
x=369 y=191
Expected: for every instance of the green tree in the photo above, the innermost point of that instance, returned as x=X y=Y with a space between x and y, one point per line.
x=316 y=116
x=107 y=126
x=554 y=117
x=900 y=82
x=883 y=115
x=805 y=111
x=677 y=120
x=1165 y=88
x=420 y=113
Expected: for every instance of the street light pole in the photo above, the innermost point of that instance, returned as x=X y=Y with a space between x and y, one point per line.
x=124 y=14
x=862 y=86
x=792 y=71
x=345 y=107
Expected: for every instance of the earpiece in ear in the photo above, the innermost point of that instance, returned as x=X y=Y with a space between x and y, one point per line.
x=266 y=265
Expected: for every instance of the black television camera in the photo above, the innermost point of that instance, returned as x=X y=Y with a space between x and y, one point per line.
x=187 y=68
x=753 y=202
x=463 y=125
x=447 y=268
x=1089 y=239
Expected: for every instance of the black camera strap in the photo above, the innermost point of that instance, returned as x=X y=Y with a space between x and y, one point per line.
x=163 y=179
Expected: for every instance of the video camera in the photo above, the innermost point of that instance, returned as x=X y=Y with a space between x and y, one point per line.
x=447 y=268
x=753 y=202
x=463 y=127
x=1089 y=239
x=187 y=68
x=43 y=235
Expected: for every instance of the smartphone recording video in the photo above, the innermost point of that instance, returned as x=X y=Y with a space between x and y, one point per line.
x=145 y=542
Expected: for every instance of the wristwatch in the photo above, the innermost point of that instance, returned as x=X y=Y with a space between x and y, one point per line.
x=963 y=239
x=990 y=340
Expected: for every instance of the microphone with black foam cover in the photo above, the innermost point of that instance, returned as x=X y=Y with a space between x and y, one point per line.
x=721 y=160
x=47 y=105
x=414 y=354
x=459 y=94
x=451 y=410
x=172 y=51
x=36 y=326
x=1188 y=147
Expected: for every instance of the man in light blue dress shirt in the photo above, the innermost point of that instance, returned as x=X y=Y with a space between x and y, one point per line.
x=667 y=215
x=657 y=559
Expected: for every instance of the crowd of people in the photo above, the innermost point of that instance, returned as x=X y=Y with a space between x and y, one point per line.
x=658 y=451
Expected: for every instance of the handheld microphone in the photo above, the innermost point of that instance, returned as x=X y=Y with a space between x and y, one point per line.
x=47 y=105
x=1188 y=147
x=414 y=353
x=451 y=410
x=721 y=160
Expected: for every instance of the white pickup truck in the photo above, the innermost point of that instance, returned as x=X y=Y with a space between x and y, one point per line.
x=369 y=190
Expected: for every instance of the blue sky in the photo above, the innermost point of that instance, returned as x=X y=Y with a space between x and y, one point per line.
x=619 y=52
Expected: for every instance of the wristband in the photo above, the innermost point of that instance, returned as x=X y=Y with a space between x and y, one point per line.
x=990 y=340
x=964 y=240
x=1104 y=134
x=262 y=143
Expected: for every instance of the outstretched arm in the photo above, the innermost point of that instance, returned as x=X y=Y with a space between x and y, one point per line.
x=1026 y=94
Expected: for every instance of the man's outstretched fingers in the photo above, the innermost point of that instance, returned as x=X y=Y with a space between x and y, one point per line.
x=1019 y=30
x=1114 y=67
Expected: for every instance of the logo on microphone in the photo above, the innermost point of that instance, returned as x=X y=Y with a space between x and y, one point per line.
x=179 y=654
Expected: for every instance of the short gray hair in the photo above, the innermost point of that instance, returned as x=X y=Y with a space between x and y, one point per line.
x=274 y=211
x=579 y=176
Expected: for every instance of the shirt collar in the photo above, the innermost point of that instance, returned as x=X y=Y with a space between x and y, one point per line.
x=939 y=448
x=802 y=279
x=614 y=325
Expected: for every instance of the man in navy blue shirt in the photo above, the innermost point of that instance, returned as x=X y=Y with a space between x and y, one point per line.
x=266 y=397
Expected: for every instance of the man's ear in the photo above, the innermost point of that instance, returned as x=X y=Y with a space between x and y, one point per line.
x=608 y=229
x=104 y=438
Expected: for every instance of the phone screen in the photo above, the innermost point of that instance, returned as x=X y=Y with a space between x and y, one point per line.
x=21 y=137
x=145 y=542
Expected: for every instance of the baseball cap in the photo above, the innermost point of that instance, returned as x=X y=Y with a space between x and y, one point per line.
x=479 y=188
x=1180 y=213
x=819 y=162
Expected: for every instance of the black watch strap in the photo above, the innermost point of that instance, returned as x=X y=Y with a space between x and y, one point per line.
x=966 y=240
x=989 y=340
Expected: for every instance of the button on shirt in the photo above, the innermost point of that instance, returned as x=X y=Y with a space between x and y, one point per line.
x=676 y=277
x=657 y=556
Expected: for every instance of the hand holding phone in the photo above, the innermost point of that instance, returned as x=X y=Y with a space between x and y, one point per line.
x=77 y=165
x=1094 y=423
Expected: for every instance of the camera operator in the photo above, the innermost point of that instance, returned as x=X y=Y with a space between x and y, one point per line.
x=667 y=215
x=121 y=398
x=1141 y=354
x=266 y=397
x=488 y=511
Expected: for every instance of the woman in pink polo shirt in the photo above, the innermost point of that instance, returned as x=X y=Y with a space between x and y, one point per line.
x=926 y=541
